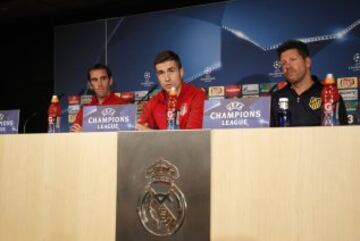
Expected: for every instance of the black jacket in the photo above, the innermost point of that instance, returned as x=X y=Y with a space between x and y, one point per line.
x=305 y=109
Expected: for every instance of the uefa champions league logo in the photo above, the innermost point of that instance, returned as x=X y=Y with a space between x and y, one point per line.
x=147 y=80
x=207 y=78
x=235 y=105
x=277 y=70
x=356 y=58
x=207 y=70
x=147 y=76
x=108 y=112
x=277 y=65
x=356 y=66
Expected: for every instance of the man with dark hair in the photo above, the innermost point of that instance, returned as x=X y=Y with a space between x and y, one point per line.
x=303 y=90
x=100 y=81
x=189 y=103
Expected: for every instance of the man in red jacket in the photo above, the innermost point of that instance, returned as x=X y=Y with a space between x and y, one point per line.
x=100 y=81
x=189 y=103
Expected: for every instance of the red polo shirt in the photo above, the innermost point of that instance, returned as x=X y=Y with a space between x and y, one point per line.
x=190 y=104
x=112 y=99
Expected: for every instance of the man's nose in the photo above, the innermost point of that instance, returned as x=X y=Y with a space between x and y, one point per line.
x=167 y=77
x=285 y=66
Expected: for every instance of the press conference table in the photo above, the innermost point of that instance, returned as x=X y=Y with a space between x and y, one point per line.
x=265 y=184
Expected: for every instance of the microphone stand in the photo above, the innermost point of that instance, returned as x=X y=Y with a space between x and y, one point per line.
x=27 y=121
x=146 y=97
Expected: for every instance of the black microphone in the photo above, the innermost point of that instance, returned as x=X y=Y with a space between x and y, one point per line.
x=28 y=119
x=146 y=97
x=60 y=96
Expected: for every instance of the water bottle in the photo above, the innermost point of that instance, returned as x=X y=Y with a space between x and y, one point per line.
x=284 y=115
x=171 y=109
x=329 y=102
x=54 y=115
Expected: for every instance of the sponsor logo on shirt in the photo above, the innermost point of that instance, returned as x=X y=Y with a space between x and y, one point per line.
x=315 y=103
x=183 y=109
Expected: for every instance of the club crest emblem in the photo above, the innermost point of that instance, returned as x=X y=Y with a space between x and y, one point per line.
x=183 y=109
x=162 y=205
x=315 y=103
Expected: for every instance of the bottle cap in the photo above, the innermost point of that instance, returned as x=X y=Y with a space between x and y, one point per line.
x=54 y=99
x=173 y=91
x=284 y=103
x=329 y=79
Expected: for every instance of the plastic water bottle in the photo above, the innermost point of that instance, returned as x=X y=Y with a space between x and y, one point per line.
x=54 y=115
x=284 y=115
x=171 y=109
x=329 y=102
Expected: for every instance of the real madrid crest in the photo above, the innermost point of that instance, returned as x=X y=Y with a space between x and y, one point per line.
x=162 y=205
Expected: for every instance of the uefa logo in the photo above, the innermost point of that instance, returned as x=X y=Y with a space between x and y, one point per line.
x=147 y=76
x=277 y=73
x=108 y=112
x=207 y=77
x=147 y=80
x=356 y=58
x=235 y=105
x=277 y=65
x=356 y=66
x=207 y=70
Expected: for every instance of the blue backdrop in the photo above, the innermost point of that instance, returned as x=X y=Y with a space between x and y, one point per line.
x=220 y=44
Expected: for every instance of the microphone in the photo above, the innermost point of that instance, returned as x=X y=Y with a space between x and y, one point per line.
x=86 y=91
x=60 y=96
x=146 y=97
x=28 y=119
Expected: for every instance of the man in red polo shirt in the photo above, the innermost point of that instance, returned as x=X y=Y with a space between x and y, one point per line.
x=100 y=81
x=189 y=103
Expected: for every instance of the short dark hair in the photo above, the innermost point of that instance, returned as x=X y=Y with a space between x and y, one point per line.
x=99 y=66
x=167 y=55
x=294 y=44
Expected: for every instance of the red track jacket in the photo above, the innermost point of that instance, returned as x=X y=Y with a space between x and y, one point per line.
x=190 y=105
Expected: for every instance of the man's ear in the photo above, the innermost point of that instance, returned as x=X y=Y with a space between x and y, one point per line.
x=111 y=81
x=308 y=62
x=182 y=72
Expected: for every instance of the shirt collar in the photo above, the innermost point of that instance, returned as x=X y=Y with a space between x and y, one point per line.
x=95 y=101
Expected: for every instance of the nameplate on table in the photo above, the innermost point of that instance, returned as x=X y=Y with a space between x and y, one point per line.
x=109 y=117
x=237 y=113
x=9 y=121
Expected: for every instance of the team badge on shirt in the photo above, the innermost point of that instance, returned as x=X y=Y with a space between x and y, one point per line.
x=315 y=103
x=183 y=109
